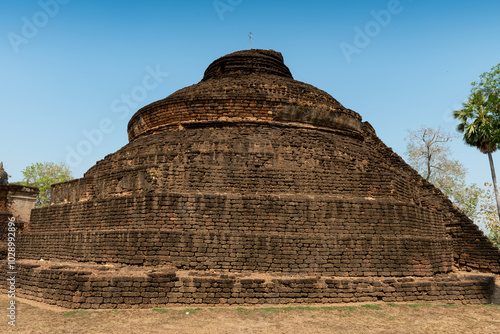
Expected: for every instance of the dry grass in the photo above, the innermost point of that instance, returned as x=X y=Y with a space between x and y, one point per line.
x=356 y=318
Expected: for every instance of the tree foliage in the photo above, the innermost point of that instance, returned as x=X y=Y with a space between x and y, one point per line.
x=489 y=86
x=468 y=199
x=42 y=176
x=489 y=82
x=494 y=237
x=429 y=153
x=488 y=216
x=480 y=119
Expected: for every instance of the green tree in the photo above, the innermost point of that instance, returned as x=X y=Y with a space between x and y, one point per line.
x=428 y=152
x=42 y=176
x=489 y=82
x=467 y=198
x=488 y=215
x=480 y=119
x=494 y=237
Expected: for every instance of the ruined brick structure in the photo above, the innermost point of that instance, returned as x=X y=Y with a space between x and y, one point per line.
x=251 y=187
x=16 y=202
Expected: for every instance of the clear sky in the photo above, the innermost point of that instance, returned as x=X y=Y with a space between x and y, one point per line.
x=68 y=65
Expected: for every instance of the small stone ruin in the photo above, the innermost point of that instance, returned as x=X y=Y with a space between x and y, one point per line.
x=16 y=202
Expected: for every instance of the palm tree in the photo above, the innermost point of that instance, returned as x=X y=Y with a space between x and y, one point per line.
x=480 y=123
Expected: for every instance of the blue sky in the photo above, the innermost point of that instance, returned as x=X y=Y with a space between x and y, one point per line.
x=66 y=76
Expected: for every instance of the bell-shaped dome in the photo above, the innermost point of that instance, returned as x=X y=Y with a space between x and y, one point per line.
x=264 y=62
x=245 y=86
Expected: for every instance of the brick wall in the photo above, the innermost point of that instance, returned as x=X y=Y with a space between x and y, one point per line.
x=94 y=288
x=252 y=197
x=350 y=206
x=471 y=248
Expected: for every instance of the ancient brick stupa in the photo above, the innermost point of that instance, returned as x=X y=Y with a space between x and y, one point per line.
x=251 y=187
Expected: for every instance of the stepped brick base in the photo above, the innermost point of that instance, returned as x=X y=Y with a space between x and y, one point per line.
x=86 y=286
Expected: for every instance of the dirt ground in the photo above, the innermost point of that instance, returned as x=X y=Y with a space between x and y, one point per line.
x=32 y=317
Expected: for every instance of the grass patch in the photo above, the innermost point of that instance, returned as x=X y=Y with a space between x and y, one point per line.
x=492 y=305
x=294 y=308
x=449 y=305
x=346 y=311
x=287 y=309
x=307 y=308
x=184 y=311
x=75 y=312
x=372 y=306
x=417 y=305
x=329 y=308
x=190 y=310
x=414 y=305
x=160 y=310
x=392 y=304
x=270 y=309
x=347 y=308
x=242 y=309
